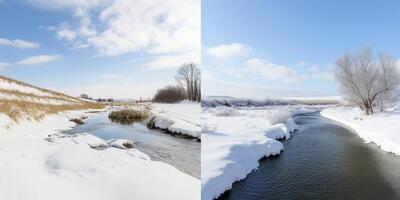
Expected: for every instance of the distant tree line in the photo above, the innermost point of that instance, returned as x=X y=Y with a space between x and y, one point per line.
x=188 y=86
x=368 y=83
x=87 y=97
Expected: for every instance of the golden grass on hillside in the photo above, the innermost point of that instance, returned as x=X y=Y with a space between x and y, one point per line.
x=18 y=110
x=22 y=95
x=57 y=94
x=34 y=107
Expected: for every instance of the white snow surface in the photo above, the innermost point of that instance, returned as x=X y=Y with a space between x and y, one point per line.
x=383 y=128
x=234 y=139
x=39 y=163
x=183 y=118
x=13 y=86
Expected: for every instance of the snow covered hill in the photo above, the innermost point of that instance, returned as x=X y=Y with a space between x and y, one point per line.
x=19 y=101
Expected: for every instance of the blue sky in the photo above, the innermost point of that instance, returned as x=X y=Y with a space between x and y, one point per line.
x=258 y=49
x=106 y=48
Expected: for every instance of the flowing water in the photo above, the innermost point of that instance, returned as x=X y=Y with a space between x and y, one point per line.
x=182 y=153
x=322 y=160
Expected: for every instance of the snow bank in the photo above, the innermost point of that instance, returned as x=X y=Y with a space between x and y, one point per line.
x=379 y=128
x=39 y=163
x=182 y=118
x=234 y=140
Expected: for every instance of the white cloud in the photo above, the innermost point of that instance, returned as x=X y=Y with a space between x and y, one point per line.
x=172 y=60
x=65 y=33
x=228 y=51
x=18 y=43
x=128 y=26
x=39 y=59
x=317 y=74
x=272 y=71
x=156 y=27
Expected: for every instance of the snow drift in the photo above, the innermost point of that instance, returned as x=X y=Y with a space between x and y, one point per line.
x=181 y=118
x=40 y=163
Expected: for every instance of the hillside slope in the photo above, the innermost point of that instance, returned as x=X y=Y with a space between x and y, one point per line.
x=19 y=101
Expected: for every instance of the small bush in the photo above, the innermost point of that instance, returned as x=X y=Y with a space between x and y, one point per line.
x=128 y=116
x=169 y=94
x=279 y=115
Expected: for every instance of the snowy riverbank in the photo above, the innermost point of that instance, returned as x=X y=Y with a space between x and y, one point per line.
x=234 y=139
x=179 y=118
x=383 y=129
x=40 y=163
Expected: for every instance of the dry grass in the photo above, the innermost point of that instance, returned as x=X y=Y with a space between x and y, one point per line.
x=24 y=106
x=57 y=94
x=21 y=95
x=128 y=116
x=18 y=110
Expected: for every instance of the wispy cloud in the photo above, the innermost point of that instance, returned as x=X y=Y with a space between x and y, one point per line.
x=156 y=27
x=65 y=33
x=39 y=59
x=272 y=71
x=18 y=43
x=172 y=60
x=229 y=51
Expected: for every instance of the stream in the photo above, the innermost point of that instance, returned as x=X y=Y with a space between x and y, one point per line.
x=323 y=160
x=182 y=153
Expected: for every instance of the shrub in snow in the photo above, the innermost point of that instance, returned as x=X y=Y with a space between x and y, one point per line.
x=279 y=115
x=169 y=94
x=128 y=116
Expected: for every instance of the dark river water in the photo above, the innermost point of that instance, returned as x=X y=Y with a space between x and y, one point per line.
x=322 y=160
x=182 y=153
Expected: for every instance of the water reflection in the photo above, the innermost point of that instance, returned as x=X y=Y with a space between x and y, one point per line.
x=322 y=161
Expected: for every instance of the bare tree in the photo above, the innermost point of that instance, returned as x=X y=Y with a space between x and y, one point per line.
x=389 y=80
x=365 y=83
x=189 y=78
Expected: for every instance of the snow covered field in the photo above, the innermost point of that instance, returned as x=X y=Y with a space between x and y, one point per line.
x=234 y=139
x=383 y=129
x=182 y=118
x=39 y=163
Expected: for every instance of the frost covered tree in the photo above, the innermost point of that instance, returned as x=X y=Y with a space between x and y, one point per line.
x=366 y=83
x=189 y=78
